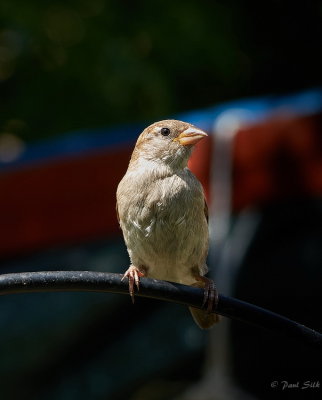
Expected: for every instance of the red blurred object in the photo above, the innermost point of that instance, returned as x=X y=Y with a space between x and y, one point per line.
x=64 y=202
x=60 y=202
x=277 y=159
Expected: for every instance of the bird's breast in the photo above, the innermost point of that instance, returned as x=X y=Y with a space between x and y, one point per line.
x=164 y=225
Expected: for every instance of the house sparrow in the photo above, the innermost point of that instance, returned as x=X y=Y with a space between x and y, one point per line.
x=163 y=213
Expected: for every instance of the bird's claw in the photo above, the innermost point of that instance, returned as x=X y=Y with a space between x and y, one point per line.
x=133 y=274
x=210 y=294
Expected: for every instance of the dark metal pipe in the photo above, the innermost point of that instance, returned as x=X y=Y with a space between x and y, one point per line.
x=90 y=281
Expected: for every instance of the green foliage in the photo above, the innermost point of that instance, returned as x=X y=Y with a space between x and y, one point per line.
x=87 y=63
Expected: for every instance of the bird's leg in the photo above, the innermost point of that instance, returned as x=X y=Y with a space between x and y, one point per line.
x=133 y=274
x=210 y=291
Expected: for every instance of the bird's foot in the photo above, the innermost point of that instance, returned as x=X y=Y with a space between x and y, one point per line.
x=133 y=274
x=210 y=292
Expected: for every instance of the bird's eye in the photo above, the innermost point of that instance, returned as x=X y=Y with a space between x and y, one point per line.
x=165 y=131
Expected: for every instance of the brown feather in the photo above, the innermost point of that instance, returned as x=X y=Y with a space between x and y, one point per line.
x=204 y=319
x=117 y=213
x=206 y=212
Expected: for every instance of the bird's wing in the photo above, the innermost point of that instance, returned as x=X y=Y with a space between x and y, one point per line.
x=117 y=213
x=206 y=211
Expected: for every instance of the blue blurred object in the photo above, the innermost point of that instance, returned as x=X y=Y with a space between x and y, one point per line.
x=82 y=142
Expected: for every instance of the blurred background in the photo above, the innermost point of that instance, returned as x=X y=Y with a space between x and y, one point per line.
x=79 y=80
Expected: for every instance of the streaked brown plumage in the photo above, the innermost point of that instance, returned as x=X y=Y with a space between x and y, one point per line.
x=163 y=213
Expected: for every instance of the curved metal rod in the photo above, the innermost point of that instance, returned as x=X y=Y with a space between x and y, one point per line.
x=90 y=281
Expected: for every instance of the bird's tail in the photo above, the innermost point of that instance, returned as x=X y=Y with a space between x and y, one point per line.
x=204 y=319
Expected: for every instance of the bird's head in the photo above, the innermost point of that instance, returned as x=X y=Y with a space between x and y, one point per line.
x=168 y=142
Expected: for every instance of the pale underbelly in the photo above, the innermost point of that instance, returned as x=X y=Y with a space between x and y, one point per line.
x=169 y=252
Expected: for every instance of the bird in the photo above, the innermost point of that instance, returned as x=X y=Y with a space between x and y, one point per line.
x=163 y=214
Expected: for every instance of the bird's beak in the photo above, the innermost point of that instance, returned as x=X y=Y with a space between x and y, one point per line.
x=190 y=136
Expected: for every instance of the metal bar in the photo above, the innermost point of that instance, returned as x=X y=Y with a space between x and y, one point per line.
x=90 y=281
